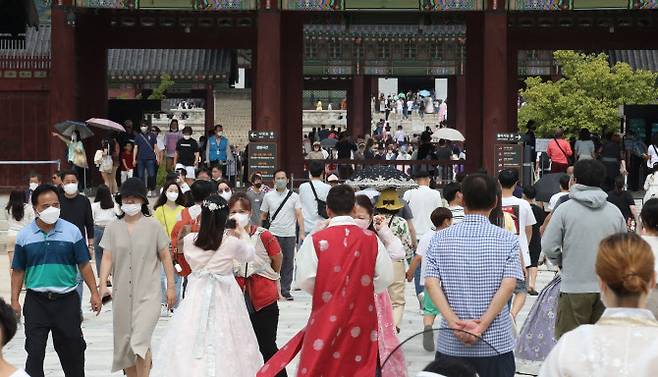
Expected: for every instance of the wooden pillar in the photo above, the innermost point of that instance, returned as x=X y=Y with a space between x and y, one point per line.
x=210 y=107
x=267 y=90
x=63 y=78
x=473 y=94
x=495 y=94
x=292 y=69
x=358 y=106
x=512 y=87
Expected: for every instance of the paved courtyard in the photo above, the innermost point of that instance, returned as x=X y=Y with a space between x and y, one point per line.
x=98 y=332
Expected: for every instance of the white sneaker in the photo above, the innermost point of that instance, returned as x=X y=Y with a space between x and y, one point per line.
x=164 y=312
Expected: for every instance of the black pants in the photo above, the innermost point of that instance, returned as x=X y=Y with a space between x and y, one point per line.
x=265 y=323
x=61 y=316
x=492 y=366
x=634 y=173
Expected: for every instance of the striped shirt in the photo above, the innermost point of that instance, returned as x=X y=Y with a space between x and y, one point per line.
x=50 y=260
x=471 y=259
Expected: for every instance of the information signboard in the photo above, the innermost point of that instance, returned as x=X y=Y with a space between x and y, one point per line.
x=509 y=156
x=262 y=159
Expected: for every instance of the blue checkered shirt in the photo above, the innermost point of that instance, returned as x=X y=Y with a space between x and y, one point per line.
x=471 y=259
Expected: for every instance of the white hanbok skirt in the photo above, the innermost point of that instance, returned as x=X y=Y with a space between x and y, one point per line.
x=210 y=334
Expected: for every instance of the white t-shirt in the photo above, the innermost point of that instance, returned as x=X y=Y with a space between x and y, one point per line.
x=15 y=226
x=554 y=199
x=421 y=250
x=422 y=201
x=284 y=224
x=310 y=205
x=103 y=217
x=653 y=242
x=652 y=151
x=523 y=217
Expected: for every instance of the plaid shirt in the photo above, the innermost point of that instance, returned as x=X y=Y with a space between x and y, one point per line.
x=471 y=259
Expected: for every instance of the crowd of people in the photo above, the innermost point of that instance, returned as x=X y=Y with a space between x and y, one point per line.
x=410 y=104
x=218 y=261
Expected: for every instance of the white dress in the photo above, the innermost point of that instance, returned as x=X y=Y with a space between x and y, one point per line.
x=210 y=334
x=622 y=343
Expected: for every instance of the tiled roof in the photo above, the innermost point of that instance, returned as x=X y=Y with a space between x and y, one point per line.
x=179 y=63
x=637 y=59
x=37 y=43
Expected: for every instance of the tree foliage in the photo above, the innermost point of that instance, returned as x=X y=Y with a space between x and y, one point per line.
x=587 y=96
x=165 y=83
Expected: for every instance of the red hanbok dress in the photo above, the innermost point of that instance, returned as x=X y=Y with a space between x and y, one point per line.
x=341 y=337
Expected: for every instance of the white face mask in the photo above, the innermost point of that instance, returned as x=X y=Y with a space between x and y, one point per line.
x=71 y=188
x=362 y=223
x=226 y=195
x=74 y=137
x=241 y=218
x=187 y=137
x=144 y=129
x=131 y=209
x=172 y=196
x=49 y=215
x=33 y=186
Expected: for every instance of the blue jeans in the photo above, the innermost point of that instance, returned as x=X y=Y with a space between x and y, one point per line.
x=98 y=251
x=163 y=286
x=417 y=282
x=146 y=172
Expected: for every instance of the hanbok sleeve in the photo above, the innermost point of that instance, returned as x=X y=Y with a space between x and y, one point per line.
x=242 y=250
x=551 y=365
x=392 y=244
x=383 y=272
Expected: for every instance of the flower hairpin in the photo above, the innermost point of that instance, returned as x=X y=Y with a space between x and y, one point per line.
x=212 y=206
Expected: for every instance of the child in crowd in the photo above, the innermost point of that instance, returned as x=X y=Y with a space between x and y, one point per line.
x=441 y=218
x=127 y=162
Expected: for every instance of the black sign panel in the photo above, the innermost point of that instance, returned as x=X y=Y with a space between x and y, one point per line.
x=508 y=156
x=262 y=159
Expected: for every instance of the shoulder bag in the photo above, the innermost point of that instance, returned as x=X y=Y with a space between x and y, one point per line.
x=322 y=205
x=273 y=217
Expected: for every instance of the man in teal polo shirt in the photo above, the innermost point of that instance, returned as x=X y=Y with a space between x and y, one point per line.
x=48 y=253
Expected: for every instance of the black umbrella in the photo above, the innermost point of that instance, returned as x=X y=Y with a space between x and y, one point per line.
x=67 y=128
x=381 y=177
x=548 y=185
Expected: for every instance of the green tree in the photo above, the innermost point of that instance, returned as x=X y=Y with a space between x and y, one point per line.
x=165 y=83
x=587 y=96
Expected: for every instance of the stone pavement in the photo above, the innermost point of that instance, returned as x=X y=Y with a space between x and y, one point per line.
x=98 y=331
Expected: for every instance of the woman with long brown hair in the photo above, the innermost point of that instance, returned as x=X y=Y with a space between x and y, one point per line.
x=624 y=340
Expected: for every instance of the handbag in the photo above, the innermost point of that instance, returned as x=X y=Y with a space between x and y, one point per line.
x=271 y=220
x=322 y=205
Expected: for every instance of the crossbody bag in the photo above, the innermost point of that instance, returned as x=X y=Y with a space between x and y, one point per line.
x=267 y=226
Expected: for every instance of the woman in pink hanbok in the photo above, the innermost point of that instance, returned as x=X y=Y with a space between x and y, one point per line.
x=388 y=339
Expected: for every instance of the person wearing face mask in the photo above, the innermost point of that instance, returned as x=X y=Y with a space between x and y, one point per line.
x=51 y=302
x=313 y=196
x=317 y=153
x=256 y=192
x=224 y=190
x=216 y=174
x=189 y=223
x=34 y=182
x=186 y=155
x=343 y=267
x=76 y=209
x=283 y=209
x=171 y=141
x=259 y=278
x=167 y=210
x=134 y=249
x=391 y=245
x=19 y=215
x=217 y=149
x=145 y=157
x=76 y=154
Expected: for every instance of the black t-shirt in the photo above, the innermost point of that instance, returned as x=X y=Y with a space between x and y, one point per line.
x=443 y=153
x=186 y=150
x=535 y=241
x=623 y=200
x=345 y=149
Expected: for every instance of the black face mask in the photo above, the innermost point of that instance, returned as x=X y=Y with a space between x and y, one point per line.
x=258 y=185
